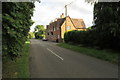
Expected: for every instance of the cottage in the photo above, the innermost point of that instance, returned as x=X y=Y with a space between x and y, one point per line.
x=55 y=30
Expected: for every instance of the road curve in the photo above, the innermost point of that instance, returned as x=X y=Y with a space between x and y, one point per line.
x=50 y=61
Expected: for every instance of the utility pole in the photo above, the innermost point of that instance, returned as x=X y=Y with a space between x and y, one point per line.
x=65 y=10
x=66 y=13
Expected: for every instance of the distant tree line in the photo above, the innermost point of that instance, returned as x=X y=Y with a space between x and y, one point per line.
x=16 y=24
x=106 y=31
x=39 y=32
x=31 y=35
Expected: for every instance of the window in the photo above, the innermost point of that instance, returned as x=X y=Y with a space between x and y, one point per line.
x=57 y=28
x=68 y=27
x=51 y=33
x=58 y=36
x=53 y=28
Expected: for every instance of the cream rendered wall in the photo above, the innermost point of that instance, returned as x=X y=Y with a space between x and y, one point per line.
x=66 y=23
x=63 y=30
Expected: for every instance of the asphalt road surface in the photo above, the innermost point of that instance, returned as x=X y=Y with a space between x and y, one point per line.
x=47 y=60
x=0 y=66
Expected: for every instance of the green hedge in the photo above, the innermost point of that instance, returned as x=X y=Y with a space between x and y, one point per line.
x=16 y=24
x=92 y=38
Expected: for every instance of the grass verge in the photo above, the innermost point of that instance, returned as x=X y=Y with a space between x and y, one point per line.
x=18 y=68
x=101 y=54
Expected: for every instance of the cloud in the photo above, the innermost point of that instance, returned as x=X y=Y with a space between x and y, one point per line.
x=48 y=10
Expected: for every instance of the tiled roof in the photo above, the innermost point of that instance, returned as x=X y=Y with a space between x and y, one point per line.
x=78 y=23
x=61 y=21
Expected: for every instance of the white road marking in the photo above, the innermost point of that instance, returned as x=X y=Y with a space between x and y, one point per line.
x=55 y=54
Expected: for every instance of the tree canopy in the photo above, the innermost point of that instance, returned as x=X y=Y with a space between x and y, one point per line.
x=39 y=27
x=39 y=31
x=107 y=23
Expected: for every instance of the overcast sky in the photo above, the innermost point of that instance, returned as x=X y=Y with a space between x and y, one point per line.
x=48 y=10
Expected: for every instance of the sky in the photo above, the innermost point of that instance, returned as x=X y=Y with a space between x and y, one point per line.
x=49 y=10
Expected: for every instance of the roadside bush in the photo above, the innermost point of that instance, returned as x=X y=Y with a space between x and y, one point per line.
x=66 y=36
x=93 y=38
x=15 y=26
x=77 y=37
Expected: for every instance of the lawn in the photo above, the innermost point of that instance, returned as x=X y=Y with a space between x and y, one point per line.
x=18 y=68
x=106 y=55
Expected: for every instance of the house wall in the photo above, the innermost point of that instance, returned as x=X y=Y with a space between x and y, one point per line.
x=64 y=27
x=56 y=33
x=49 y=30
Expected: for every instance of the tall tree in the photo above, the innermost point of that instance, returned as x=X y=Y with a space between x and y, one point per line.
x=39 y=31
x=39 y=27
x=16 y=25
x=107 y=24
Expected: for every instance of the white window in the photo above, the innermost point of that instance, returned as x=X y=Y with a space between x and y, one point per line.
x=58 y=36
x=68 y=27
x=53 y=28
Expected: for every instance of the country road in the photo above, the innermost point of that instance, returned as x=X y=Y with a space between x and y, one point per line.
x=47 y=60
x=0 y=66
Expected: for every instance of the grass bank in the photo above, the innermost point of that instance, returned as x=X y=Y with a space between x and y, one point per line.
x=18 y=68
x=106 y=55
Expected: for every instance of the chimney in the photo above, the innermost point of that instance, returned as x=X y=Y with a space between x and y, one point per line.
x=56 y=19
x=62 y=16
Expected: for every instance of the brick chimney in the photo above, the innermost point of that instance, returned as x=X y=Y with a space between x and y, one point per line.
x=62 y=16
x=56 y=19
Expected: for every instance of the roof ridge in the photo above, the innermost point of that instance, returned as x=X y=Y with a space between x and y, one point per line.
x=77 y=18
x=72 y=22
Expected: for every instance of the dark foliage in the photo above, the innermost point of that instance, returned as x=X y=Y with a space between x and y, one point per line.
x=106 y=31
x=16 y=24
